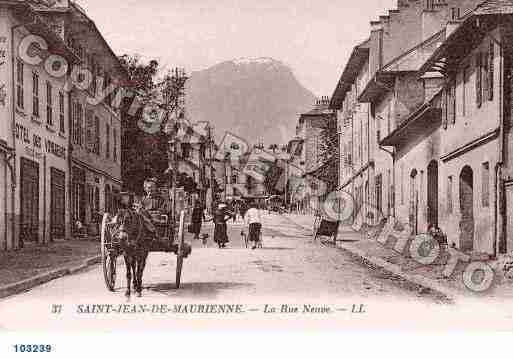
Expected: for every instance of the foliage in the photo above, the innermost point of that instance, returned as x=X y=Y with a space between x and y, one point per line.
x=143 y=155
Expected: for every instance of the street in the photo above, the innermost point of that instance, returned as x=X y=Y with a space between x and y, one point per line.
x=291 y=269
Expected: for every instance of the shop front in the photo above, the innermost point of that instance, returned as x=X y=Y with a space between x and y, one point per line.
x=42 y=187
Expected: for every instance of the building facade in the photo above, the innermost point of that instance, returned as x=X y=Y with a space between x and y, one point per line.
x=34 y=131
x=438 y=105
x=95 y=144
x=60 y=133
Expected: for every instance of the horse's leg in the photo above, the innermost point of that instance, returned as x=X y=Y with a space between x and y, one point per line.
x=140 y=270
x=134 y=270
x=128 y=264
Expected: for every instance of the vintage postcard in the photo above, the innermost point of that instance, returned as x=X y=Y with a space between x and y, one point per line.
x=327 y=165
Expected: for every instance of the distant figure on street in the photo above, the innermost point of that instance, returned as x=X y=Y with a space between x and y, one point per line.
x=198 y=215
x=221 y=215
x=253 y=220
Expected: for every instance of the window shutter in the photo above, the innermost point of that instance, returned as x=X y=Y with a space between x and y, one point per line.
x=485 y=73
x=444 y=108
x=479 y=98
x=452 y=103
x=491 y=54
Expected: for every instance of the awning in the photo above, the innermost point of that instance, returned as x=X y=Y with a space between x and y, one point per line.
x=379 y=85
x=425 y=117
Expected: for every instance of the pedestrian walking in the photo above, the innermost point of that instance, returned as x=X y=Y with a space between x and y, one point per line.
x=253 y=220
x=221 y=215
x=198 y=215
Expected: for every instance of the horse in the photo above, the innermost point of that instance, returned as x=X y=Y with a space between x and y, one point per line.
x=134 y=243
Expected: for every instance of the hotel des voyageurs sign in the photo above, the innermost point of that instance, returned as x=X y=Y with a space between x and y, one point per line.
x=23 y=134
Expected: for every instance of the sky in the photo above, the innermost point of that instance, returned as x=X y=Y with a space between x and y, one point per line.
x=313 y=37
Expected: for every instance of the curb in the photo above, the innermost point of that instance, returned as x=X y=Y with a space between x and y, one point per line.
x=394 y=269
x=27 y=284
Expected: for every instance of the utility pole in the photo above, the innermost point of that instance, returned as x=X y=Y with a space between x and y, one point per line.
x=173 y=95
x=211 y=169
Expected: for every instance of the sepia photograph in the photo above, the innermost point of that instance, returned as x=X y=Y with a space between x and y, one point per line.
x=254 y=165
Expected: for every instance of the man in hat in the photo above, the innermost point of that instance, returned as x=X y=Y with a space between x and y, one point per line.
x=152 y=202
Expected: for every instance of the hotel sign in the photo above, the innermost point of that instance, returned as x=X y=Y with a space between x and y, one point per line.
x=22 y=134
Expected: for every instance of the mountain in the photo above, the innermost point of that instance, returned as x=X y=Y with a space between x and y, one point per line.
x=252 y=98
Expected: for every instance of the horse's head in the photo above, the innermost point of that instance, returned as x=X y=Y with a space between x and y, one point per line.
x=128 y=227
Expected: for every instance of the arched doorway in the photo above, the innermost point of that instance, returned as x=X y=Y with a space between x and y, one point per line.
x=432 y=193
x=467 y=209
x=414 y=201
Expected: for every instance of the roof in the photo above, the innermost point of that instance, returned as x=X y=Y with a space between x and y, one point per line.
x=123 y=71
x=45 y=9
x=358 y=57
x=37 y=25
x=415 y=123
x=494 y=7
x=468 y=35
x=408 y=62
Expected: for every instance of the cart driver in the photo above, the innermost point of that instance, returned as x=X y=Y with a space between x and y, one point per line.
x=152 y=202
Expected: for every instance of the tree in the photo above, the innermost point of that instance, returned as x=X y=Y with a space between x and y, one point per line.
x=143 y=155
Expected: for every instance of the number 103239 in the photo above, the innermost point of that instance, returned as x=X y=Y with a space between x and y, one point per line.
x=32 y=348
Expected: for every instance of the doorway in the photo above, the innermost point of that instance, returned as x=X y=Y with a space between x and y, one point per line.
x=57 y=203
x=432 y=193
x=467 y=209
x=29 y=199
x=414 y=202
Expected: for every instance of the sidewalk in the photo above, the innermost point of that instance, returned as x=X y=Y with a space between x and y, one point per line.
x=426 y=277
x=36 y=263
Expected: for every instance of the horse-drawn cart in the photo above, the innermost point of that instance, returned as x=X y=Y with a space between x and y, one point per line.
x=169 y=238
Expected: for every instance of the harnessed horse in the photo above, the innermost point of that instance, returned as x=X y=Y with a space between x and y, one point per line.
x=134 y=242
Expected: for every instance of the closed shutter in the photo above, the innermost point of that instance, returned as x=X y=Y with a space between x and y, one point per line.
x=491 y=53
x=479 y=98
x=451 y=103
x=485 y=74
x=444 y=108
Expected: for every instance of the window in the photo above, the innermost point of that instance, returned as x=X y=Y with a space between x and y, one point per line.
x=378 y=182
x=186 y=150
x=451 y=101
x=35 y=94
x=49 y=108
x=108 y=96
x=486 y=184
x=61 y=113
x=115 y=144
x=19 y=84
x=107 y=141
x=89 y=130
x=479 y=89
x=449 y=195
x=96 y=148
x=402 y=184
x=466 y=72
x=491 y=52
x=78 y=124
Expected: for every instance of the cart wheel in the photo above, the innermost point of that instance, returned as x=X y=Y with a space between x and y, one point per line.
x=109 y=258
x=179 y=255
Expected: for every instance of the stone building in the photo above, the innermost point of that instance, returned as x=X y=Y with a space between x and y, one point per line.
x=34 y=130
x=435 y=108
x=95 y=121
x=470 y=187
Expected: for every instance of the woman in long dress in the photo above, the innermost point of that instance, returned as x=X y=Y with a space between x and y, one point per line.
x=221 y=215
x=197 y=219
